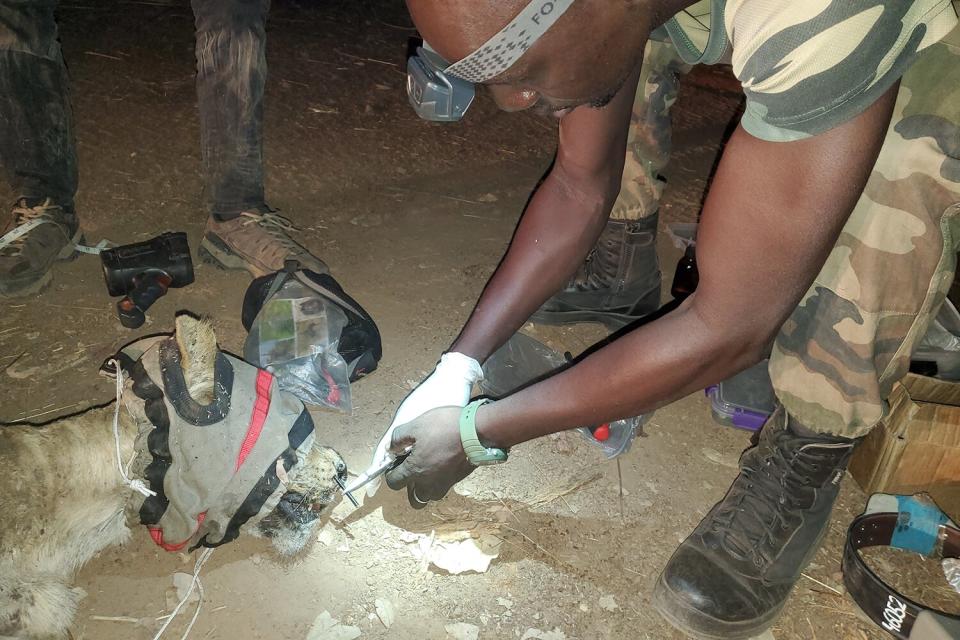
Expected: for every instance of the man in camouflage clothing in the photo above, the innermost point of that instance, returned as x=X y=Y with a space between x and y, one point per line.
x=934 y=84
x=829 y=237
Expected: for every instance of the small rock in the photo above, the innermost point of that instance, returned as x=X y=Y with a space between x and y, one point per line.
x=385 y=611
x=182 y=582
x=584 y=607
x=326 y=536
x=537 y=634
x=607 y=603
x=344 y=548
x=488 y=197
x=409 y=536
x=326 y=628
x=503 y=602
x=463 y=631
x=256 y=559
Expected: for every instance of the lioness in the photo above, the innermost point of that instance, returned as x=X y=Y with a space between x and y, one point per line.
x=216 y=440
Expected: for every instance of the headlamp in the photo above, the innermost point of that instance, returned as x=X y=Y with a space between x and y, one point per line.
x=433 y=94
x=442 y=92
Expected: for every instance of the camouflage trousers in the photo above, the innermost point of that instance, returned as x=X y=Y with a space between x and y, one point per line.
x=835 y=360
x=649 y=136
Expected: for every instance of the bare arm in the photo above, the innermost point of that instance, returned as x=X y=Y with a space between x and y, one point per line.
x=772 y=216
x=576 y=196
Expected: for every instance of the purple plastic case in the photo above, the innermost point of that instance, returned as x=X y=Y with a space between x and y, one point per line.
x=744 y=401
x=733 y=415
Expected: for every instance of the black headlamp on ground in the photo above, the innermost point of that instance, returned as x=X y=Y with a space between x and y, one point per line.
x=912 y=523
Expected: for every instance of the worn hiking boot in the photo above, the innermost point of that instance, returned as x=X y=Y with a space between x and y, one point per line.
x=257 y=242
x=731 y=577
x=618 y=283
x=38 y=234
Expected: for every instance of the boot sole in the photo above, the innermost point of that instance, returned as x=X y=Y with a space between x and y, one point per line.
x=215 y=253
x=694 y=624
x=69 y=253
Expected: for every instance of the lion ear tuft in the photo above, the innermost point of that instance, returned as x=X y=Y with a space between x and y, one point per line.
x=197 y=342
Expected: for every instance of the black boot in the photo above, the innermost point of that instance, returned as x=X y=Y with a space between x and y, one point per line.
x=731 y=577
x=618 y=283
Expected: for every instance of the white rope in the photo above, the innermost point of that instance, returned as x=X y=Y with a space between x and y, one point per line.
x=135 y=484
x=138 y=485
x=193 y=583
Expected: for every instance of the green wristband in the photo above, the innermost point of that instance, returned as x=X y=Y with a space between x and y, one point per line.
x=477 y=454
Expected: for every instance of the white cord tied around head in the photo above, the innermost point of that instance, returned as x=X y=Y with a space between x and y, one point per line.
x=135 y=484
x=195 y=582
x=139 y=486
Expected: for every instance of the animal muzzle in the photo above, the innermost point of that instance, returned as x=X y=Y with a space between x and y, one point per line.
x=294 y=507
x=299 y=508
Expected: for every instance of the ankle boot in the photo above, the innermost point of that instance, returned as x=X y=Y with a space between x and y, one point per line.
x=732 y=576
x=618 y=283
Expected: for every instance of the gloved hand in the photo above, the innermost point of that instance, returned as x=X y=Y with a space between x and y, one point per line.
x=448 y=386
x=437 y=461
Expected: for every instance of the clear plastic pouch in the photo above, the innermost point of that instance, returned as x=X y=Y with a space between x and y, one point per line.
x=295 y=337
x=524 y=360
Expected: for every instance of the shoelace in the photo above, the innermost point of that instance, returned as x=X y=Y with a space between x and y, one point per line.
x=747 y=526
x=277 y=226
x=25 y=220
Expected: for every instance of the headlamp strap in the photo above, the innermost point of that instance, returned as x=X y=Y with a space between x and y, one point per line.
x=501 y=51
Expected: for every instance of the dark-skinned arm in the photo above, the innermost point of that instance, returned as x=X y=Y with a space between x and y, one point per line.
x=772 y=216
x=576 y=196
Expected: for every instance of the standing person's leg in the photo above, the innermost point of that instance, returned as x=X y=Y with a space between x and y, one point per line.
x=242 y=232
x=37 y=149
x=833 y=365
x=231 y=77
x=620 y=280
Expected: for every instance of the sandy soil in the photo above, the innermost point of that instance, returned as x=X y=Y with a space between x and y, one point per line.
x=412 y=218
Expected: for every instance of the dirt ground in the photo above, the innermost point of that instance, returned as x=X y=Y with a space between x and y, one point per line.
x=412 y=218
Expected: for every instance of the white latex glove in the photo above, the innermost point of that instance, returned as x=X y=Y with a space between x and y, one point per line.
x=449 y=385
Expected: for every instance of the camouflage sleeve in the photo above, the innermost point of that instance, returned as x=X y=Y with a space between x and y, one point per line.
x=809 y=66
